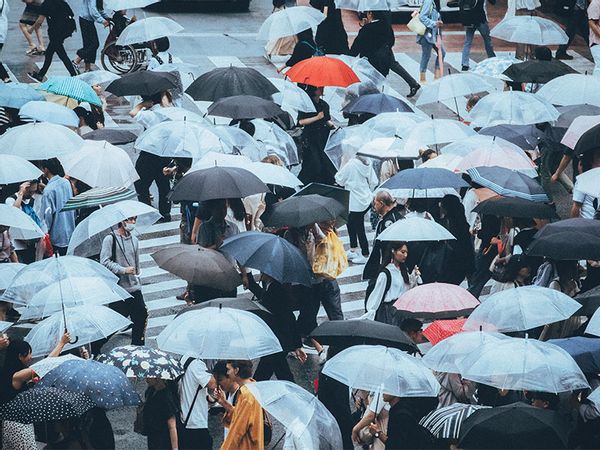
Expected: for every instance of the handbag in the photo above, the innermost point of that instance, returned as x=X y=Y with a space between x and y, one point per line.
x=415 y=25
x=330 y=257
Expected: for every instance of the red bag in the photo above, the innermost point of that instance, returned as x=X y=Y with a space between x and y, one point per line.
x=48 y=250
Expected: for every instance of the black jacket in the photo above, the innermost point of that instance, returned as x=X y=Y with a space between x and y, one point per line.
x=375 y=41
x=373 y=265
x=476 y=15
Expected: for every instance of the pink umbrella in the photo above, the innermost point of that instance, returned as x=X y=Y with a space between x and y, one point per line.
x=436 y=301
x=579 y=126
x=500 y=156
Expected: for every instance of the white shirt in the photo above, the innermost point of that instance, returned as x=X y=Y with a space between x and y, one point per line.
x=587 y=203
x=360 y=179
x=195 y=375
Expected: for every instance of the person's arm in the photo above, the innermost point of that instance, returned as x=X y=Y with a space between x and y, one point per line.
x=594 y=26
x=95 y=13
x=341 y=177
x=310 y=120
x=425 y=15
x=13 y=256
x=64 y=340
x=139 y=107
x=21 y=377
x=357 y=46
x=375 y=297
x=106 y=261
x=48 y=208
x=172 y=425
x=37 y=24
x=19 y=200
x=367 y=418
x=564 y=163
x=373 y=181
x=576 y=209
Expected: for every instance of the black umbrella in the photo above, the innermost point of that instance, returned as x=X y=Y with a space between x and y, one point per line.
x=585 y=351
x=537 y=71
x=516 y=426
x=114 y=136
x=229 y=81
x=42 y=404
x=217 y=182
x=524 y=136
x=144 y=82
x=245 y=107
x=376 y=104
x=569 y=239
x=509 y=183
x=589 y=141
x=334 y=192
x=516 y=207
x=569 y=113
x=302 y=211
x=270 y=254
x=429 y=178
x=345 y=333
x=590 y=301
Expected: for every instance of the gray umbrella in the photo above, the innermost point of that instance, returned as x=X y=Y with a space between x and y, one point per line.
x=113 y=136
x=302 y=211
x=229 y=81
x=569 y=113
x=524 y=136
x=245 y=107
x=430 y=178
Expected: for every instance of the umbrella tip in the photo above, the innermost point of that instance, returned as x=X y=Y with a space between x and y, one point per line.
x=220 y=306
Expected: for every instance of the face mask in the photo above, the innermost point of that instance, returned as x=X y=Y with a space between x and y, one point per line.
x=129 y=227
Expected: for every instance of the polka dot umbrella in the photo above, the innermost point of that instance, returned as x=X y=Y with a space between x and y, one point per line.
x=143 y=362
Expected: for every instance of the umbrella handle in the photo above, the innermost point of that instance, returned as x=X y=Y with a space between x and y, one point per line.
x=74 y=341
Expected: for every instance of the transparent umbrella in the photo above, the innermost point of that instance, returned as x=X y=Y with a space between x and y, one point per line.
x=391 y=124
x=146 y=30
x=531 y=30
x=240 y=143
x=437 y=131
x=452 y=86
x=494 y=67
x=512 y=108
x=343 y=144
x=497 y=156
x=102 y=77
x=415 y=229
x=587 y=182
x=290 y=97
x=45 y=365
x=23 y=226
x=42 y=111
x=288 y=22
x=384 y=148
x=572 y=89
x=579 y=126
x=446 y=161
x=363 y=5
x=8 y=273
x=593 y=326
x=178 y=114
x=15 y=169
x=464 y=147
x=363 y=69
x=276 y=141
x=39 y=140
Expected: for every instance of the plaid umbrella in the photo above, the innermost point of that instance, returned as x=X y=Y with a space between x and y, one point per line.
x=71 y=87
x=445 y=423
x=98 y=197
x=143 y=362
x=442 y=329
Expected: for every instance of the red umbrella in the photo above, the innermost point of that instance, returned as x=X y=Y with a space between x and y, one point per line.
x=442 y=329
x=436 y=301
x=322 y=71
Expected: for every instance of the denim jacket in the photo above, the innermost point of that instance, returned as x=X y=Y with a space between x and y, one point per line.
x=429 y=15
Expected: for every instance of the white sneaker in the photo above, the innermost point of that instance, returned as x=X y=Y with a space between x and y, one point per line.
x=360 y=259
x=351 y=255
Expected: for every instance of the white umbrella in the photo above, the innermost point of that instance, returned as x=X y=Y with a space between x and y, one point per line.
x=381 y=369
x=507 y=157
x=290 y=97
x=447 y=161
x=572 y=89
x=225 y=333
x=391 y=124
x=521 y=309
x=45 y=365
x=39 y=140
x=389 y=147
x=594 y=397
x=176 y=113
x=512 y=108
x=100 y=164
x=532 y=30
x=523 y=364
x=494 y=67
x=146 y=30
x=588 y=183
x=8 y=273
x=5 y=325
x=452 y=86
x=21 y=222
x=363 y=5
x=343 y=144
x=94 y=77
x=415 y=229
x=42 y=111
x=276 y=141
x=579 y=126
x=309 y=424
x=593 y=326
x=289 y=21
x=465 y=146
x=88 y=235
x=86 y=324
x=437 y=131
x=14 y=169
x=273 y=174
x=365 y=72
x=240 y=142
x=118 y=5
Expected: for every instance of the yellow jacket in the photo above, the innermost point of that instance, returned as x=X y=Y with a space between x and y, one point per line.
x=246 y=431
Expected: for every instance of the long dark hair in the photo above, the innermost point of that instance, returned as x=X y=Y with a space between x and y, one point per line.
x=392 y=247
x=454 y=220
x=12 y=363
x=237 y=206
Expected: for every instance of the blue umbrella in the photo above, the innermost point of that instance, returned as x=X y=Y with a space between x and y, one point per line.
x=71 y=87
x=15 y=95
x=376 y=104
x=508 y=183
x=585 y=351
x=427 y=178
x=105 y=385
x=524 y=136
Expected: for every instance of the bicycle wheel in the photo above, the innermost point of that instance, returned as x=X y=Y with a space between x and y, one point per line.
x=119 y=59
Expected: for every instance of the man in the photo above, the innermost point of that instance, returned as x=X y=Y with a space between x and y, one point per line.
x=577 y=22
x=593 y=13
x=473 y=16
x=413 y=329
x=56 y=193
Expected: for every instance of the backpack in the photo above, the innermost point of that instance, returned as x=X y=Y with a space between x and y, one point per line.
x=373 y=281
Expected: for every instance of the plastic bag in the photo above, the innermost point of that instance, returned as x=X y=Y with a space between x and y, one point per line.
x=330 y=259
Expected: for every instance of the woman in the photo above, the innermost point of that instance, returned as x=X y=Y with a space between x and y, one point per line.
x=28 y=18
x=391 y=283
x=161 y=412
x=519 y=274
x=488 y=250
x=431 y=18
x=91 y=12
x=284 y=45
x=236 y=213
x=305 y=48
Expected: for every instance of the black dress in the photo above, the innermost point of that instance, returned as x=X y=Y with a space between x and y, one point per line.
x=316 y=166
x=331 y=35
x=159 y=407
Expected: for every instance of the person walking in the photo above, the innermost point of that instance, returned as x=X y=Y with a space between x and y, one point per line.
x=3 y=32
x=474 y=17
x=331 y=35
x=577 y=22
x=593 y=13
x=430 y=17
x=161 y=414
x=90 y=13
x=28 y=18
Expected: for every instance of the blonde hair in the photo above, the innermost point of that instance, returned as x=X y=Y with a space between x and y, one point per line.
x=272 y=159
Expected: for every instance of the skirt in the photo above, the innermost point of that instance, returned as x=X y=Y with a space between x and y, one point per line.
x=18 y=436
x=30 y=14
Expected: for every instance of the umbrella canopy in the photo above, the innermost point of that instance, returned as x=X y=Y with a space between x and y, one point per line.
x=464 y=147
x=322 y=71
x=571 y=112
x=244 y=107
x=240 y=142
x=521 y=309
x=584 y=350
x=509 y=183
x=217 y=182
x=199 y=266
x=43 y=366
x=398 y=124
x=371 y=79
x=42 y=111
x=437 y=131
x=272 y=174
x=587 y=182
x=382 y=369
x=231 y=81
x=572 y=89
x=143 y=362
x=118 y=5
x=593 y=326
x=523 y=364
x=385 y=148
x=376 y=104
x=346 y=333
x=44 y=405
x=8 y=273
x=303 y=210
x=143 y=82
x=334 y=192
x=424 y=179
x=436 y=301
x=98 y=197
x=270 y=254
x=531 y=30
x=308 y=422
x=577 y=128
x=212 y=159
x=113 y=136
x=289 y=22
x=415 y=229
x=14 y=169
x=226 y=334
x=507 y=157
x=149 y=29
x=35 y=141
x=494 y=67
x=523 y=136
x=290 y=97
x=589 y=300
x=446 y=422
x=537 y=71
x=516 y=207
x=512 y=108
x=444 y=161
x=363 y=5
x=452 y=86
x=15 y=95
x=179 y=114
x=276 y=141
x=242 y=303
x=569 y=239
x=15 y=218
x=588 y=142
x=71 y=87
x=95 y=77
x=439 y=330
x=516 y=426
x=106 y=386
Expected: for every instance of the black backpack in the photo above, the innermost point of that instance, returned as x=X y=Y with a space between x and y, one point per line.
x=467 y=5
x=373 y=281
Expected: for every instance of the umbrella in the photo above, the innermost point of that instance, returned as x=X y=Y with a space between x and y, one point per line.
x=376 y=104
x=143 y=362
x=343 y=144
x=212 y=159
x=512 y=108
x=242 y=303
x=143 y=82
x=42 y=111
x=346 y=333
x=569 y=113
x=515 y=426
x=272 y=174
x=523 y=364
x=572 y=89
x=240 y=142
x=14 y=169
x=15 y=218
x=398 y=124
x=177 y=114
x=225 y=334
x=593 y=326
x=100 y=164
x=71 y=87
x=446 y=422
x=289 y=22
x=217 y=182
x=494 y=67
x=290 y=97
x=436 y=301
x=588 y=142
x=303 y=210
x=15 y=95
x=385 y=148
x=276 y=141
x=244 y=107
x=118 y=5
x=594 y=397
x=521 y=309
x=363 y=5
x=577 y=128
x=439 y=330
x=415 y=229
x=8 y=273
x=584 y=350
x=464 y=147
x=589 y=300
x=270 y=254
x=509 y=183
x=113 y=136
x=337 y=193
x=95 y=77
x=199 y=266
x=587 y=182
x=35 y=141
x=569 y=239
x=43 y=366
x=523 y=136
x=452 y=86
x=446 y=161
x=98 y=197
x=382 y=369
x=437 y=131
x=308 y=422
x=507 y=157
x=537 y=71
x=516 y=207
x=322 y=71
x=370 y=77
x=149 y=29
x=424 y=179
x=531 y=30
x=44 y=405
x=231 y=81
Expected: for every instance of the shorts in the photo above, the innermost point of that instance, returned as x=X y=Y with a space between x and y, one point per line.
x=30 y=14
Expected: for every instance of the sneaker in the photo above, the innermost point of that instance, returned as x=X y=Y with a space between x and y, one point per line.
x=164 y=219
x=464 y=69
x=360 y=259
x=35 y=76
x=351 y=255
x=76 y=67
x=563 y=55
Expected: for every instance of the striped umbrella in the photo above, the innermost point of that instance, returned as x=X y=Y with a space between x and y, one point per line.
x=98 y=197
x=509 y=183
x=445 y=423
x=71 y=87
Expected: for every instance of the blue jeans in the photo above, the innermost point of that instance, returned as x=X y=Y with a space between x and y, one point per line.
x=484 y=30
x=426 y=54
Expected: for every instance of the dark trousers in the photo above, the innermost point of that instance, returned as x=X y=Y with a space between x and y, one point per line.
x=149 y=167
x=577 y=23
x=3 y=72
x=274 y=364
x=61 y=251
x=194 y=439
x=482 y=273
x=134 y=308
x=356 y=229
x=401 y=71
x=56 y=45
x=89 y=36
x=326 y=293
x=27 y=255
